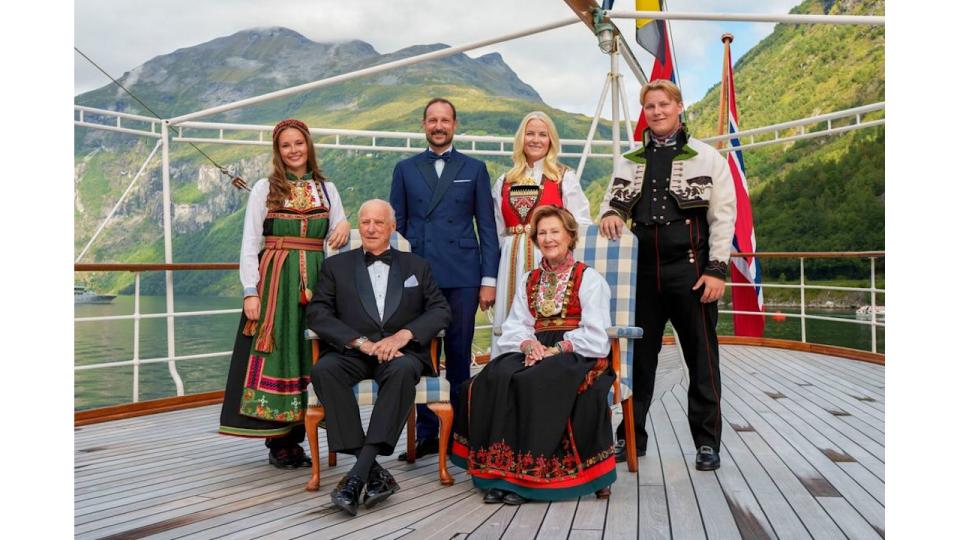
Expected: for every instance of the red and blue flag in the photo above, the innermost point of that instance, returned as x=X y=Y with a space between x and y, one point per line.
x=745 y=270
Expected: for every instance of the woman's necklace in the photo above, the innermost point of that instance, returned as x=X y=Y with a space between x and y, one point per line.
x=300 y=196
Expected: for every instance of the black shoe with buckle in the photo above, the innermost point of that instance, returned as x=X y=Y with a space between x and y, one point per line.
x=707 y=459
x=425 y=447
x=494 y=496
x=380 y=485
x=620 y=450
x=346 y=496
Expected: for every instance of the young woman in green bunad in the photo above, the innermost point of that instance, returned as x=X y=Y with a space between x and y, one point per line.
x=291 y=217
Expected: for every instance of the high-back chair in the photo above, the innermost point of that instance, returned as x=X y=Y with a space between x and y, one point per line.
x=616 y=260
x=432 y=391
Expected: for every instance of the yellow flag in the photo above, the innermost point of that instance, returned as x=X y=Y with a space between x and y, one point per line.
x=646 y=5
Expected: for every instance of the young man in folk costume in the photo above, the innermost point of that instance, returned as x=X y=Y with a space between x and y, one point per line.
x=678 y=193
x=438 y=196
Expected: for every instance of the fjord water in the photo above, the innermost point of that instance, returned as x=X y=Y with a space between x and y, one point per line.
x=105 y=341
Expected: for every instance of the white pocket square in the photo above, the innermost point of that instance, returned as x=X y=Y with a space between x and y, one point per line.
x=411 y=282
x=463 y=180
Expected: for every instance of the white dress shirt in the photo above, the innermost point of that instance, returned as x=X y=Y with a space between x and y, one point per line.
x=589 y=339
x=439 y=163
x=379 y=276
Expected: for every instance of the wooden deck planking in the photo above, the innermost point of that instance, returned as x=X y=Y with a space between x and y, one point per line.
x=623 y=507
x=717 y=516
x=461 y=518
x=496 y=524
x=685 y=519
x=832 y=389
x=237 y=521
x=776 y=512
x=872 y=373
x=558 y=519
x=790 y=445
x=526 y=522
x=133 y=480
x=850 y=440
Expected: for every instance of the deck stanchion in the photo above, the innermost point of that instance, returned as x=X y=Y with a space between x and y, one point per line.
x=615 y=100
x=873 y=304
x=803 y=305
x=168 y=258
x=136 y=337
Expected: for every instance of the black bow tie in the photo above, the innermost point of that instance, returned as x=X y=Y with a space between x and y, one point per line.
x=444 y=156
x=370 y=258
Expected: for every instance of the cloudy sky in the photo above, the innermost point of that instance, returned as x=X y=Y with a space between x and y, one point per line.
x=565 y=66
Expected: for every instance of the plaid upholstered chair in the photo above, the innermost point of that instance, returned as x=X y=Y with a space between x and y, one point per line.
x=616 y=262
x=432 y=391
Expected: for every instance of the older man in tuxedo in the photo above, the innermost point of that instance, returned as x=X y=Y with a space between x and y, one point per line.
x=375 y=310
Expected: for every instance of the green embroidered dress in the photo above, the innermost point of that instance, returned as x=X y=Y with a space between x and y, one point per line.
x=269 y=376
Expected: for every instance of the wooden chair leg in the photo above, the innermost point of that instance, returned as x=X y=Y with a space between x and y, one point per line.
x=311 y=422
x=412 y=435
x=332 y=459
x=630 y=433
x=444 y=412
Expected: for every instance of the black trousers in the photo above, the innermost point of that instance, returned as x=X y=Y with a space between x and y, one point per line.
x=457 y=343
x=671 y=259
x=333 y=378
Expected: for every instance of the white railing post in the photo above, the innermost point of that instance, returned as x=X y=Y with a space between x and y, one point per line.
x=615 y=99
x=873 y=304
x=803 y=305
x=168 y=258
x=136 y=337
x=593 y=129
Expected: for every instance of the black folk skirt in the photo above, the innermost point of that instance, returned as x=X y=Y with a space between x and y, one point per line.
x=544 y=431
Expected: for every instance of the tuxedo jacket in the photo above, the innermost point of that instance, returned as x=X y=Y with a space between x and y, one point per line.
x=437 y=216
x=343 y=307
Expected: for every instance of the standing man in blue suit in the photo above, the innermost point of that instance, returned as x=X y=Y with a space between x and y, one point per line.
x=437 y=196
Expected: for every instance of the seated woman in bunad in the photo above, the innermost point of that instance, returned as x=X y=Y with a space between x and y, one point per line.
x=536 y=179
x=535 y=424
x=290 y=216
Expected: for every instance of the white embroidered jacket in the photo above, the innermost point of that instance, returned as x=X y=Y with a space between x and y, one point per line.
x=699 y=178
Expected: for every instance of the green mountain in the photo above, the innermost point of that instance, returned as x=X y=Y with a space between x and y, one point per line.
x=823 y=194
x=490 y=99
x=818 y=194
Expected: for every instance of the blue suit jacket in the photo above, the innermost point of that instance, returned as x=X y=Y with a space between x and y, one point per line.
x=440 y=223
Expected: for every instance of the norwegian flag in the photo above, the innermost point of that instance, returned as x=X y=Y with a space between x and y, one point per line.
x=743 y=269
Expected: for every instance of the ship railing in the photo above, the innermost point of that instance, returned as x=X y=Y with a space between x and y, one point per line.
x=172 y=358
x=821 y=125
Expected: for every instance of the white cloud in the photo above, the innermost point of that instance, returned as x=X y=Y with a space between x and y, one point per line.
x=564 y=65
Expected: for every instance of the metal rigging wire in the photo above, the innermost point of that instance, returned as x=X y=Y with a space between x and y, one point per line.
x=237 y=181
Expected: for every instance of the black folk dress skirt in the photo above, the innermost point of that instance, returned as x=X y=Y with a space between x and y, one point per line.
x=544 y=431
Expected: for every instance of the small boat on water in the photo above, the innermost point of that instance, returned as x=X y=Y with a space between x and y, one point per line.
x=866 y=312
x=82 y=295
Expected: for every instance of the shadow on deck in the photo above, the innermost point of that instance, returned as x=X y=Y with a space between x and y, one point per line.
x=803 y=456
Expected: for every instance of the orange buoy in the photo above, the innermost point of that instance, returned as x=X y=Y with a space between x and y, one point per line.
x=779 y=316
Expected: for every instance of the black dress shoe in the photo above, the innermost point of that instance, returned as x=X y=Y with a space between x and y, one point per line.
x=346 y=496
x=707 y=459
x=620 y=451
x=380 y=485
x=289 y=457
x=512 y=498
x=494 y=496
x=425 y=447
